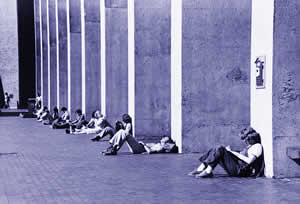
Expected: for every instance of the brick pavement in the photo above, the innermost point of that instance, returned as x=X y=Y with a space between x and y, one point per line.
x=41 y=165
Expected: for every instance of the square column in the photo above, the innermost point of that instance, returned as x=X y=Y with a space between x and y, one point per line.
x=53 y=53
x=63 y=53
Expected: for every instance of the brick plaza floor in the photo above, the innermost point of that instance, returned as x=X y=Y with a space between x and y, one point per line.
x=41 y=165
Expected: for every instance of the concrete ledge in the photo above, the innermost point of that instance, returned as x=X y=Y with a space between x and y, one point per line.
x=293 y=152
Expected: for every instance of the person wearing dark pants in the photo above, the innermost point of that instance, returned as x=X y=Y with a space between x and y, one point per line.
x=247 y=163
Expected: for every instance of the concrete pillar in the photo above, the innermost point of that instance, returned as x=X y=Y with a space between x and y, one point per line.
x=63 y=53
x=116 y=28
x=92 y=89
x=152 y=68
x=45 y=48
x=176 y=72
x=286 y=87
x=131 y=61
x=37 y=46
x=275 y=108
x=215 y=72
x=261 y=99
x=75 y=55
x=53 y=53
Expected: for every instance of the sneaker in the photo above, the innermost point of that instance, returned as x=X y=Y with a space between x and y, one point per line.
x=204 y=174
x=110 y=151
x=194 y=172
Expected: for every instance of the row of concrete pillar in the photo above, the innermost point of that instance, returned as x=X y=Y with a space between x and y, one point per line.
x=180 y=68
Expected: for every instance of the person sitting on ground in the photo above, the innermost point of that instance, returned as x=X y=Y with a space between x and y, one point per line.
x=6 y=100
x=49 y=118
x=78 y=123
x=247 y=163
x=99 y=124
x=166 y=145
x=63 y=121
x=108 y=130
x=124 y=135
x=41 y=113
x=38 y=102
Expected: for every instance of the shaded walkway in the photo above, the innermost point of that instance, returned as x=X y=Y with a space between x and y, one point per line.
x=41 y=165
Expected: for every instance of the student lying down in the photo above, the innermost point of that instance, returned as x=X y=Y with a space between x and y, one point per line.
x=166 y=145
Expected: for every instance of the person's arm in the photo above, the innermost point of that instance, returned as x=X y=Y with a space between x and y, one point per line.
x=127 y=128
x=246 y=159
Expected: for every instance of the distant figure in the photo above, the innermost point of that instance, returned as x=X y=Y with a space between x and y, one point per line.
x=99 y=123
x=38 y=102
x=41 y=113
x=247 y=163
x=49 y=118
x=6 y=100
x=63 y=121
x=78 y=123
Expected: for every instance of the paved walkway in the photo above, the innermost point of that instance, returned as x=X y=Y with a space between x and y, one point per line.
x=41 y=165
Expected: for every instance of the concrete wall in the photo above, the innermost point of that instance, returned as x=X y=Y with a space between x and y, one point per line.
x=53 y=53
x=37 y=45
x=63 y=53
x=116 y=29
x=216 y=72
x=92 y=56
x=9 y=50
x=45 y=47
x=286 y=90
x=152 y=68
x=75 y=52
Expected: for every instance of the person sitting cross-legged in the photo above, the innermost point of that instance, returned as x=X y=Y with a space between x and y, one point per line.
x=63 y=121
x=78 y=123
x=49 y=118
x=95 y=126
x=247 y=163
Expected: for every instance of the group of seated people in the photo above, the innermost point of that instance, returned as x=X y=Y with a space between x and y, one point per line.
x=246 y=163
x=100 y=127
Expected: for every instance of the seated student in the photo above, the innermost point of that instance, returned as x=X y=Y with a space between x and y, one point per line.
x=166 y=145
x=49 y=118
x=124 y=135
x=247 y=163
x=63 y=121
x=99 y=123
x=78 y=123
x=41 y=113
x=108 y=130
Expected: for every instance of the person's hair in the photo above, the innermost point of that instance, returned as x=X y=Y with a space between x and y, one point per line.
x=78 y=111
x=63 y=109
x=93 y=114
x=126 y=118
x=38 y=94
x=45 y=108
x=119 y=126
x=246 y=131
x=6 y=93
x=254 y=138
x=55 y=109
x=47 y=111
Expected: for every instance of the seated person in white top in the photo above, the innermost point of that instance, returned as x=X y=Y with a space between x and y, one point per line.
x=247 y=163
x=41 y=113
x=99 y=122
x=166 y=145
x=63 y=121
